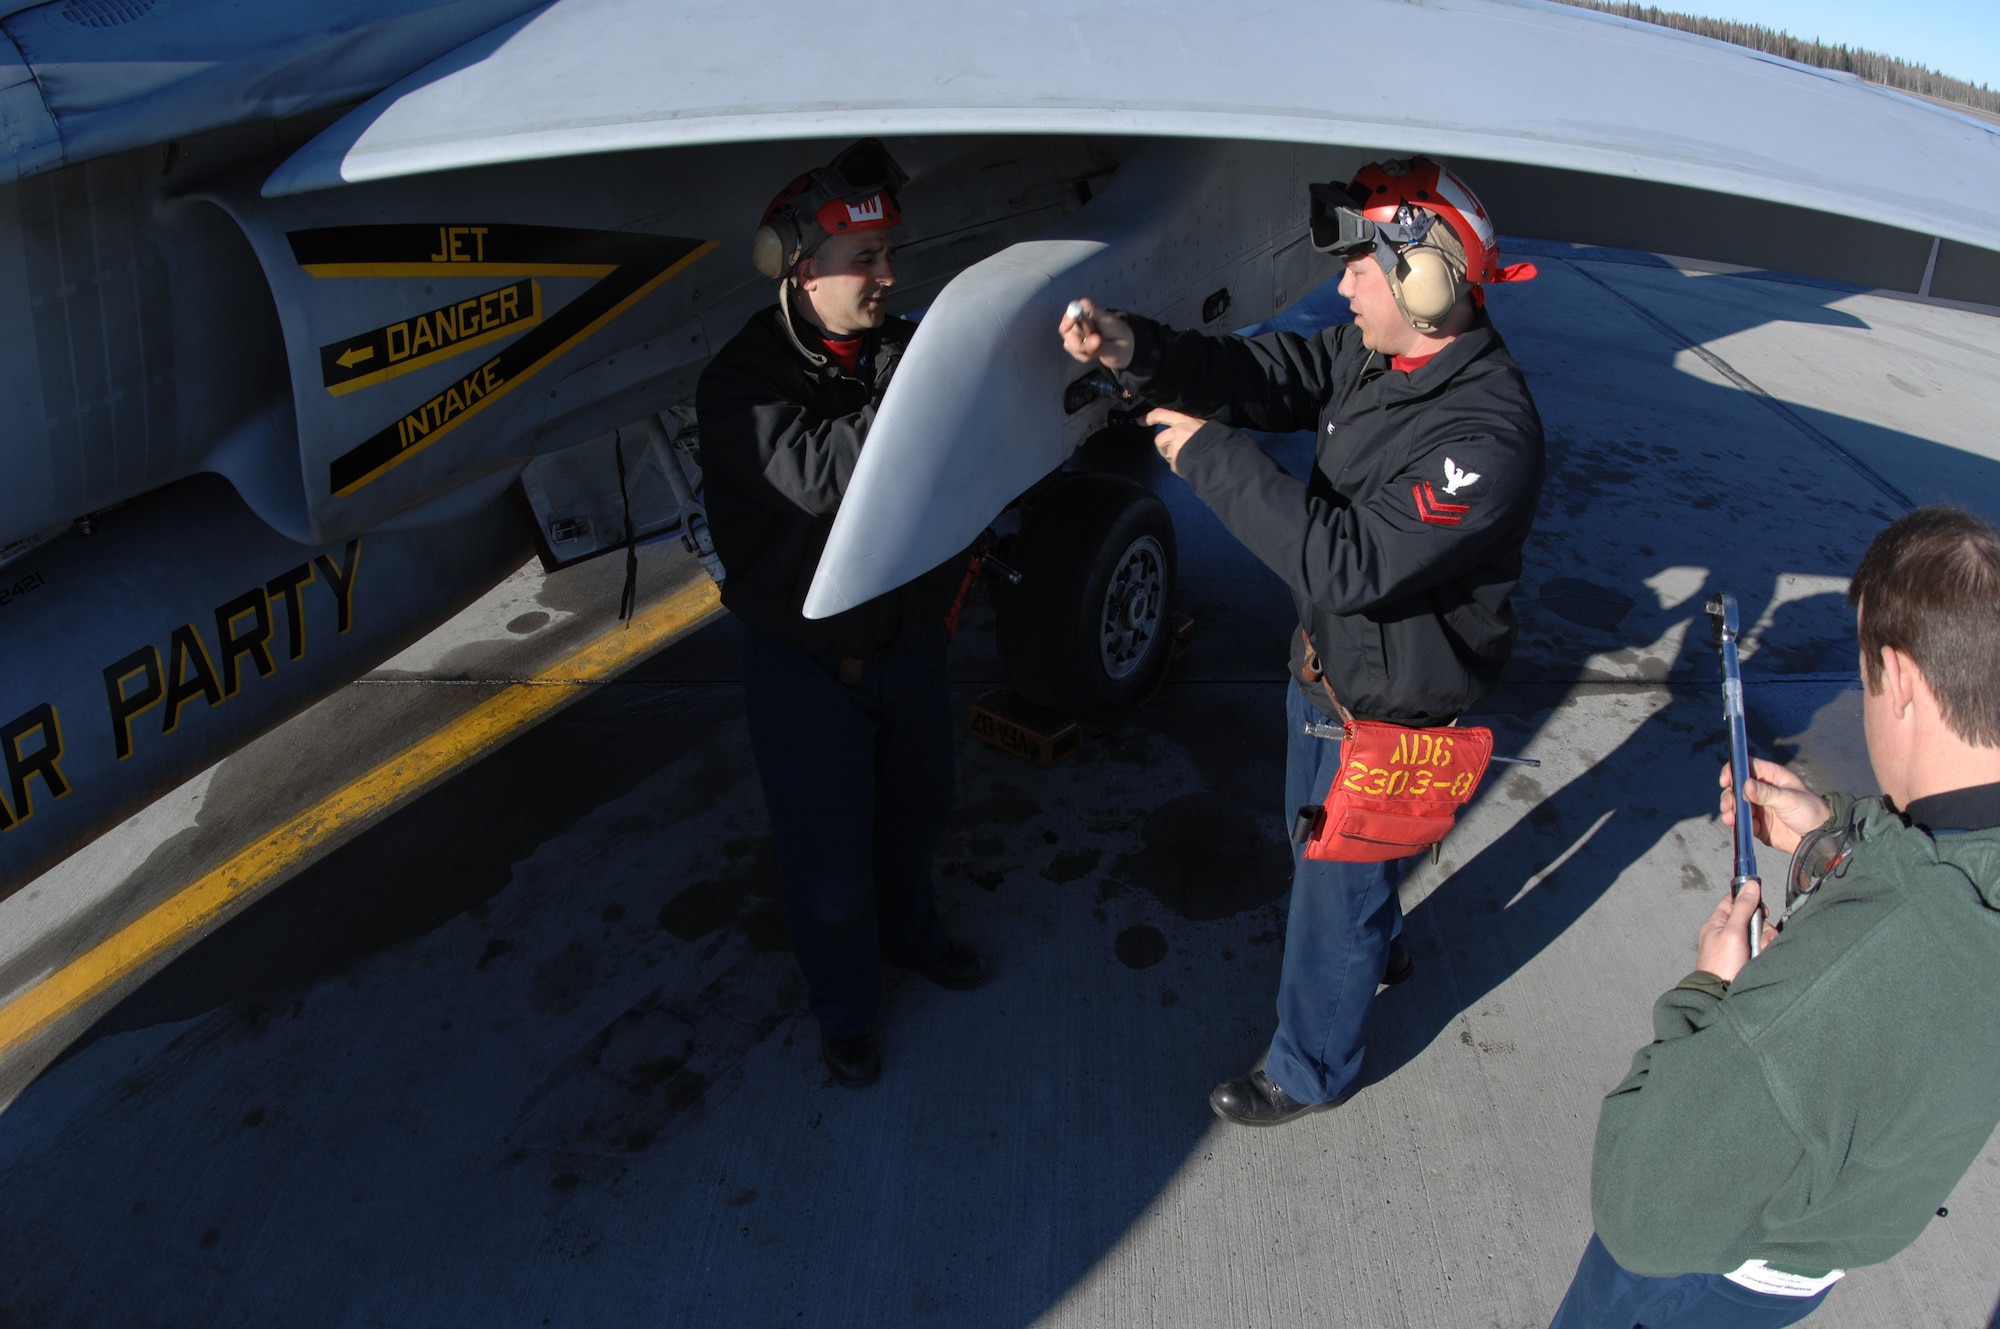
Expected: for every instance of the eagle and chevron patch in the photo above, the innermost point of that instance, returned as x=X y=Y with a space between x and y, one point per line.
x=1436 y=510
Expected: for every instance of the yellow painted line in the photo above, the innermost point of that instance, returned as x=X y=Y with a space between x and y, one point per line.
x=175 y=920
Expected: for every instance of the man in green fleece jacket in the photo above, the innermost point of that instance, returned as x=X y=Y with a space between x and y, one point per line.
x=1808 y=1111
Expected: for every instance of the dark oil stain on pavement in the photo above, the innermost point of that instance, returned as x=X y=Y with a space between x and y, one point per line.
x=1141 y=946
x=1003 y=806
x=986 y=879
x=1206 y=857
x=1213 y=853
x=564 y=980
x=1072 y=865
x=747 y=897
x=635 y=1080
x=495 y=948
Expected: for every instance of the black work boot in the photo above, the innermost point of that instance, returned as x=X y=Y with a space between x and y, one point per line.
x=1256 y=1100
x=855 y=1062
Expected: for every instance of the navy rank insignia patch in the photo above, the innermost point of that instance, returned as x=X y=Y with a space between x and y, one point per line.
x=1434 y=509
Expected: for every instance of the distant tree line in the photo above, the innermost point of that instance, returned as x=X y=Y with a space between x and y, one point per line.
x=1871 y=65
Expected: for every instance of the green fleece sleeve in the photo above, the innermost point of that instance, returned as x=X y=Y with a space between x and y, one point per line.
x=1685 y=1144
x=1688 y=1005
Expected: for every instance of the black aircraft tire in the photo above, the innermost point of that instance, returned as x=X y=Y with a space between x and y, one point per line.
x=1085 y=631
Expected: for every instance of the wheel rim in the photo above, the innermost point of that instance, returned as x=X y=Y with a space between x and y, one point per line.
x=1134 y=605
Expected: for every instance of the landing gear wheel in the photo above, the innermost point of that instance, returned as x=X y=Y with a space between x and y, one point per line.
x=1086 y=629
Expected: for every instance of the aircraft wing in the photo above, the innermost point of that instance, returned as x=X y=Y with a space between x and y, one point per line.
x=1550 y=88
x=1503 y=80
x=81 y=79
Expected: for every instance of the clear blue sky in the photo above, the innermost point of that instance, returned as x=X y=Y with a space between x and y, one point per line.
x=1956 y=37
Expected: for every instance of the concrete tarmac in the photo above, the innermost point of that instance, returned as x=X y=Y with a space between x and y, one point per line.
x=531 y=1050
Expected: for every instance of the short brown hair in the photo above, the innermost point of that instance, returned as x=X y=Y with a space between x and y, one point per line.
x=1929 y=586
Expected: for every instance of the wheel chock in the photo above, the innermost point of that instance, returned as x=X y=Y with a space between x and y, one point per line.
x=1006 y=720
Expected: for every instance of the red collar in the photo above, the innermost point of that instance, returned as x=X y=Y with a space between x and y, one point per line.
x=846 y=351
x=1410 y=363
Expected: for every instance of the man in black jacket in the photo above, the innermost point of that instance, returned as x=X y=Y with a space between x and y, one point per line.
x=1400 y=550
x=849 y=716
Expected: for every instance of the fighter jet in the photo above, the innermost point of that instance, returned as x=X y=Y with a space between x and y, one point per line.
x=317 y=325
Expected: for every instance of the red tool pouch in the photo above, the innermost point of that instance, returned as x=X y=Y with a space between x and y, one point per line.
x=1398 y=790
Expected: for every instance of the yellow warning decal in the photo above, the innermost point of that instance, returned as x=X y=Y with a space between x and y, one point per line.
x=424 y=339
x=630 y=266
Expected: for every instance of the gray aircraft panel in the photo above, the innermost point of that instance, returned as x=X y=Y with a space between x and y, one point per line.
x=116 y=74
x=1508 y=80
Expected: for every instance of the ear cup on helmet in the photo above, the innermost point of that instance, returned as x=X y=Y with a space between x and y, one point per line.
x=1429 y=283
x=776 y=245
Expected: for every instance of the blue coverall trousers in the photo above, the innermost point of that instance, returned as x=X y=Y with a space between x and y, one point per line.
x=1343 y=918
x=1605 y=1296
x=858 y=780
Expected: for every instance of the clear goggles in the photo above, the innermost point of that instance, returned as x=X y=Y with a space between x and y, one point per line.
x=1821 y=854
x=1339 y=228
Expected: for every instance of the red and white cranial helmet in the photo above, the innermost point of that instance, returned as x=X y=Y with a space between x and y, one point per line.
x=856 y=191
x=1382 y=188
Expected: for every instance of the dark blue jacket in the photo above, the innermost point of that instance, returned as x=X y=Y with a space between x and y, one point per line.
x=782 y=428
x=1403 y=547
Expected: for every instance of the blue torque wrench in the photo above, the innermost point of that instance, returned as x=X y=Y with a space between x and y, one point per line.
x=1722 y=621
